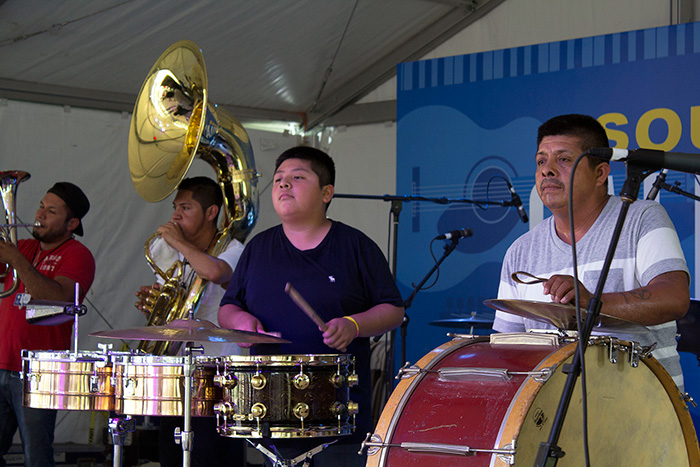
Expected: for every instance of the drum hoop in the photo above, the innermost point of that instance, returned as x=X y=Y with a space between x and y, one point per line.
x=679 y=405
x=287 y=360
x=403 y=391
x=526 y=392
x=64 y=356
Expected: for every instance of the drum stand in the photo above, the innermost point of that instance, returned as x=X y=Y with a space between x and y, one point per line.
x=119 y=427
x=185 y=437
x=279 y=462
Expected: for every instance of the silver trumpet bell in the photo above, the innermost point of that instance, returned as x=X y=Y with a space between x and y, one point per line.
x=9 y=180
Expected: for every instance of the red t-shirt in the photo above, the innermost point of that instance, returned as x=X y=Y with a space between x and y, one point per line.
x=70 y=259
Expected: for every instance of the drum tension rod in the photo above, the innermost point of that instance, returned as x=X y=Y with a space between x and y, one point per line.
x=476 y=374
x=374 y=443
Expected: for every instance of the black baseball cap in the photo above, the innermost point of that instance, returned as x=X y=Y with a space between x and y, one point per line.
x=75 y=199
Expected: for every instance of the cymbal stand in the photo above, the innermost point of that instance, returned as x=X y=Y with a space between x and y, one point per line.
x=76 y=310
x=277 y=461
x=119 y=427
x=185 y=437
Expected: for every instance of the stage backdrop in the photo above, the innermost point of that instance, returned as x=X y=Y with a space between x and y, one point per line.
x=467 y=123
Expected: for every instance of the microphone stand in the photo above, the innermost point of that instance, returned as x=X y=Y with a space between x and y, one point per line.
x=549 y=453
x=396 y=206
x=675 y=188
x=407 y=304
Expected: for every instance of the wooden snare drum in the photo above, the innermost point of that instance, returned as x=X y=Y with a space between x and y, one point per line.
x=286 y=396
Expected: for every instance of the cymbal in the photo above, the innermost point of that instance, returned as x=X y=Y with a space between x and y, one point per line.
x=562 y=316
x=190 y=330
x=465 y=323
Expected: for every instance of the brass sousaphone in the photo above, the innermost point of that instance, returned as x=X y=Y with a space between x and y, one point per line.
x=173 y=123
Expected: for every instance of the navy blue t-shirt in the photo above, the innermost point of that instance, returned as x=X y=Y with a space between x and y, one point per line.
x=345 y=274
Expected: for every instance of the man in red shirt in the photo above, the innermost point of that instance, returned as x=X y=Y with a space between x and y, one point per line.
x=47 y=266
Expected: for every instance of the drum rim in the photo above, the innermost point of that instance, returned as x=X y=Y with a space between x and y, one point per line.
x=291 y=359
x=403 y=391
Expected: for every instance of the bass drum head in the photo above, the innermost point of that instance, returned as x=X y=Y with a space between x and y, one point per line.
x=636 y=416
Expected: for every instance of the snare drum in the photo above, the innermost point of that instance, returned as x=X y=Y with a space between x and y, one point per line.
x=65 y=380
x=481 y=402
x=286 y=396
x=155 y=385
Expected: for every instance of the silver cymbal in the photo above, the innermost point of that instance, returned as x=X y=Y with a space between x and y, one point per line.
x=190 y=330
x=465 y=323
x=562 y=316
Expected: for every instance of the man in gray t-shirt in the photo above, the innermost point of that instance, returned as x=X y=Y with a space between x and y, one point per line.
x=648 y=281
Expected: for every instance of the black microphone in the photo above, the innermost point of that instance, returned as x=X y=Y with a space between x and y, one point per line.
x=515 y=201
x=652 y=159
x=456 y=234
x=658 y=184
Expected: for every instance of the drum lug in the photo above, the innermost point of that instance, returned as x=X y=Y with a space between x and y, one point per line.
x=373 y=443
x=130 y=386
x=34 y=379
x=94 y=384
x=353 y=408
x=258 y=410
x=301 y=381
x=337 y=408
x=407 y=371
x=258 y=381
x=226 y=380
x=509 y=456
x=353 y=380
x=301 y=411
x=689 y=399
x=337 y=380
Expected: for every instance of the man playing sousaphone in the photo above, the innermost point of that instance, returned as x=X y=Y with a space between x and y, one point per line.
x=648 y=281
x=187 y=237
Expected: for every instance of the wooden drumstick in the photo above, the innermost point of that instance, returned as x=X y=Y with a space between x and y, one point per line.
x=304 y=305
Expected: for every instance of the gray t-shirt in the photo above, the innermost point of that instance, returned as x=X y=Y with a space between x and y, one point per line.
x=648 y=247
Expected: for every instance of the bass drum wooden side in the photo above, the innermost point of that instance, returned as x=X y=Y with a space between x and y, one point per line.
x=636 y=416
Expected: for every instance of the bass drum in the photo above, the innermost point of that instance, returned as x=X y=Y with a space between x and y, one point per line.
x=491 y=402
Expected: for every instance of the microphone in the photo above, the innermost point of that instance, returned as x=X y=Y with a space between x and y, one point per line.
x=455 y=234
x=515 y=201
x=658 y=184
x=652 y=159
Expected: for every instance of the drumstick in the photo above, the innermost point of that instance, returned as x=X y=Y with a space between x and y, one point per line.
x=304 y=305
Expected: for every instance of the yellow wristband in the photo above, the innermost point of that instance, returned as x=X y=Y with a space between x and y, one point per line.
x=357 y=326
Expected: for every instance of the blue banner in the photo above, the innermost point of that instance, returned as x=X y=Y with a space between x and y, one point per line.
x=467 y=123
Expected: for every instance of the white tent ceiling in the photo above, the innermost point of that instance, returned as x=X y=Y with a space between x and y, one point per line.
x=291 y=60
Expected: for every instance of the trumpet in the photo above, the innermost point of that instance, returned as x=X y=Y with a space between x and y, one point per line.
x=16 y=226
x=9 y=180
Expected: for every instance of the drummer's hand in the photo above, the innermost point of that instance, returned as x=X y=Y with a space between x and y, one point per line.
x=248 y=322
x=146 y=294
x=339 y=333
x=561 y=289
